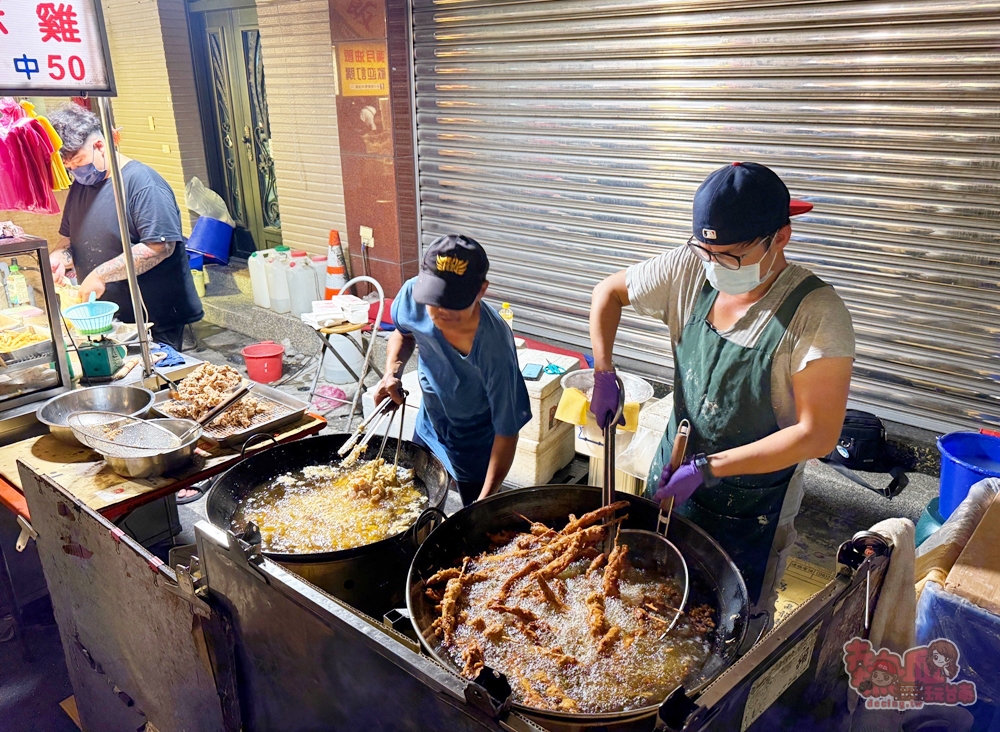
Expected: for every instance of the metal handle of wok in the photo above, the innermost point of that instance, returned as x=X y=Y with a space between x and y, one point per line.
x=254 y=438
x=430 y=514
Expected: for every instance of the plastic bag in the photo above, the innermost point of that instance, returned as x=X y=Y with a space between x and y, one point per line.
x=206 y=202
x=638 y=456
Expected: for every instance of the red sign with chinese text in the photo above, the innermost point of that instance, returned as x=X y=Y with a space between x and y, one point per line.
x=53 y=48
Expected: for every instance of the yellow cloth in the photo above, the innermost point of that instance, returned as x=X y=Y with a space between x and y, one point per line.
x=574 y=408
x=60 y=178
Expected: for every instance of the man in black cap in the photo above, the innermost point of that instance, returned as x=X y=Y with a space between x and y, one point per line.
x=763 y=352
x=474 y=398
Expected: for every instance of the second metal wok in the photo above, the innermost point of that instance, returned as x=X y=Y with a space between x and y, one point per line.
x=370 y=578
x=715 y=580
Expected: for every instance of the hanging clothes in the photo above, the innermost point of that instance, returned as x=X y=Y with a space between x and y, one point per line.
x=60 y=177
x=26 y=151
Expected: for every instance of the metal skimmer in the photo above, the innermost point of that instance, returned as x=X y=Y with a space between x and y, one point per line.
x=121 y=436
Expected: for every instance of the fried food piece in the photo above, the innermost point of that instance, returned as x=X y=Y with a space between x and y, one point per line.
x=477 y=623
x=538 y=529
x=474 y=659
x=531 y=697
x=449 y=608
x=557 y=655
x=596 y=619
x=589 y=519
x=548 y=594
x=608 y=641
x=617 y=563
x=434 y=595
x=562 y=562
x=701 y=619
x=509 y=583
x=518 y=612
x=443 y=576
x=644 y=615
x=599 y=561
x=494 y=632
x=503 y=538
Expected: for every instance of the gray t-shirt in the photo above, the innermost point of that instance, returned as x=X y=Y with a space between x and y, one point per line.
x=666 y=288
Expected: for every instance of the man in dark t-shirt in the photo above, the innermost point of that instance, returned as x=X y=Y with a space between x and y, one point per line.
x=91 y=240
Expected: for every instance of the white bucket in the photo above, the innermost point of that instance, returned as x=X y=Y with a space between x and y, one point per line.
x=333 y=370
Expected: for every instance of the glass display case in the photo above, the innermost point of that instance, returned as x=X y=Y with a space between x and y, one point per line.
x=33 y=361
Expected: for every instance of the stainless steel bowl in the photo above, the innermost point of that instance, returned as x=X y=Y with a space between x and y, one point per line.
x=153 y=466
x=133 y=401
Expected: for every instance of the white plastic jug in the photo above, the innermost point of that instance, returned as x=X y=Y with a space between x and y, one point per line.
x=334 y=371
x=258 y=279
x=319 y=269
x=277 y=284
x=301 y=287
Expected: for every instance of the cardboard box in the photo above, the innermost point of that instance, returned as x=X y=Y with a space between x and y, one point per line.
x=976 y=574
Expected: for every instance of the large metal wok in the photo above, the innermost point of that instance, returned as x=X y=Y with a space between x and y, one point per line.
x=713 y=576
x=371 y=578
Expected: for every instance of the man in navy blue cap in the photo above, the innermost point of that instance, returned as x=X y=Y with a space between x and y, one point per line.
x=763 y=352
x=474 y=398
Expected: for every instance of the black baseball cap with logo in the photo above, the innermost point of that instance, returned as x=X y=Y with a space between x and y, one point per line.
x=452 y=272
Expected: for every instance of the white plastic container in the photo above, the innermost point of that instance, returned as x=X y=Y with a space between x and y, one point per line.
x=301 y=287
x=333 y=370
x=319 y=269
x=277 y=284
x=258 y=279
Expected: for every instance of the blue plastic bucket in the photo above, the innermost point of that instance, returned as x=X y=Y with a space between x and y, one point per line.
x=966 y=459
x=211 y=237
x=196 y=260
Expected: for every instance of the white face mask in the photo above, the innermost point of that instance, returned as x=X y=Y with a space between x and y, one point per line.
x=736 y=281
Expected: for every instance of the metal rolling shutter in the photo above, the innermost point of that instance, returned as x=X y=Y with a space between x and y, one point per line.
x=568 y=136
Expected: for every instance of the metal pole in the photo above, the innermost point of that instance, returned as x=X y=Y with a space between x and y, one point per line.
x=121 y=206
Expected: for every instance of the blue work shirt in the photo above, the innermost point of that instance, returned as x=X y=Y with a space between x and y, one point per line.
x=467 y=400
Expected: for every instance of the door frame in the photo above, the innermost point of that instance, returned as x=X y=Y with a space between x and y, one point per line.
x=244 y=243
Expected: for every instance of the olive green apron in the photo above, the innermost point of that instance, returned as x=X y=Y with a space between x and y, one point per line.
x=724 y=390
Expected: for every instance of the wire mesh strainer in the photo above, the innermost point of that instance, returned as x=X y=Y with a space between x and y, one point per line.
x=121 y=436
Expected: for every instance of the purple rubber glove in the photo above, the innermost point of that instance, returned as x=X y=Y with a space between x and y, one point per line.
x=604 y=400
x=680 y=483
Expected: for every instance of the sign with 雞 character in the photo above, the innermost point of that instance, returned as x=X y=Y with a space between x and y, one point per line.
x=54 y=49
x=364 y=69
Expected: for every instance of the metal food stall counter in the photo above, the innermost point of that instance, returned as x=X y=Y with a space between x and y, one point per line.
x=235 y=642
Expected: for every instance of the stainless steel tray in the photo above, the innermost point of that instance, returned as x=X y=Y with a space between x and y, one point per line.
x=288 y=410
x=33 y=350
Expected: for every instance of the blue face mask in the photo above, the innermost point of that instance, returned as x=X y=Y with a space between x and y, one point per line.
x=88 y=174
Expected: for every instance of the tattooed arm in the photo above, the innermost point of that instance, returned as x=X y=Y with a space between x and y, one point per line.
x=61 y=261
x=145 y=256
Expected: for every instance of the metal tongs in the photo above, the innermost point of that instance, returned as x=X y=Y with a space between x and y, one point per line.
x=401 y=408
x=363 y=430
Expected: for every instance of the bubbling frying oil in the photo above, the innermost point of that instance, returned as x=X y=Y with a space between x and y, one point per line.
x=631 y=675
x=326 y=508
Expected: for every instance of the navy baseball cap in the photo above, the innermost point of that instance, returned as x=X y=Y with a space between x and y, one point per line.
x=742 y=202
x=452 y=272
